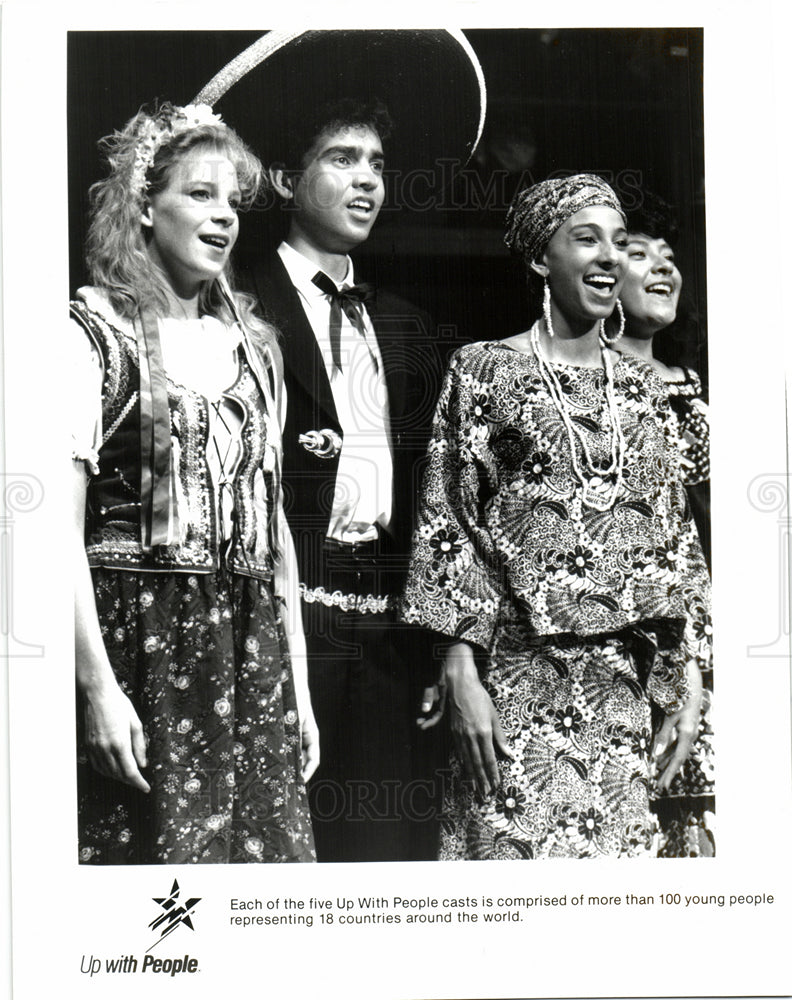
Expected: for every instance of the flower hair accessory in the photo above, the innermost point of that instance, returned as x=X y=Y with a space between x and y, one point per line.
x=164 y=125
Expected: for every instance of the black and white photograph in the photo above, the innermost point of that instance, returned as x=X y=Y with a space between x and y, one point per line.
x=535 y=587
x=388 y=501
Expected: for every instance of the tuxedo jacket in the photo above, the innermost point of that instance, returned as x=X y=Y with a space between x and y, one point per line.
x=411 y=363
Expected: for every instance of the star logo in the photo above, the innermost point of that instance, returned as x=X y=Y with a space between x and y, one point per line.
x=173 y=913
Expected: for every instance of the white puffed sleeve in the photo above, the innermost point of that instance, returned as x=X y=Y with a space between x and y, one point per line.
x=85 y=375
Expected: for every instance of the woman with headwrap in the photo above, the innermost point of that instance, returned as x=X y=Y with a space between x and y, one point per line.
x=553 y=554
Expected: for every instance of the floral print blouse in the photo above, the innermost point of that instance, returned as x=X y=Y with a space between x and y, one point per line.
x=504 y=532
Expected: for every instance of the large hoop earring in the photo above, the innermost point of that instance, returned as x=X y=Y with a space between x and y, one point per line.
x=622 y=323
x=546 y=310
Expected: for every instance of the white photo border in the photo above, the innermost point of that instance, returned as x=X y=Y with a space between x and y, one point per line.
x=63 y=916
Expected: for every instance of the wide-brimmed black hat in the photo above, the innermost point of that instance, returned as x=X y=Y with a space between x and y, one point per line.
x=429 y=80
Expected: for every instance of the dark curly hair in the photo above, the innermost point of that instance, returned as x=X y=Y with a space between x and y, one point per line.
x=654 y=218
x=347 y=112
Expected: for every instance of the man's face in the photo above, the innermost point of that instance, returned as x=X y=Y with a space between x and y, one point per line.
x=340 y=191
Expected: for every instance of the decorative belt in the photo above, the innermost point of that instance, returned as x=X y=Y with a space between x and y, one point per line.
x=368 y=548
x=370 y=604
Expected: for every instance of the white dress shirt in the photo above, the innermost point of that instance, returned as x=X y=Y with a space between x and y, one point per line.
x=363 y=498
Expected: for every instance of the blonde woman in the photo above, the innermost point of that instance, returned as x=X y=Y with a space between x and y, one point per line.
x=196 y=730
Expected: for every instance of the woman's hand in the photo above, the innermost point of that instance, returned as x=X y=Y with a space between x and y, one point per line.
x=678 y=732
x=287 y=588
x=474 y=721
x=114 y=736
x=433 y=701
x=310 y=745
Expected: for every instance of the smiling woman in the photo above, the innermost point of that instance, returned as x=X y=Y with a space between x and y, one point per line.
x=556 y=554
x=651 y=290
x=586 y=260
x=193 y=221
x=651 y=298
x=196 y=732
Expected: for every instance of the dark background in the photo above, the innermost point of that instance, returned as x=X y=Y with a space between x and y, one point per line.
x=624 y=103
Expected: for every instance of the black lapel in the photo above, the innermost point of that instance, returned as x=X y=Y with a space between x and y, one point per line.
x=302 y=358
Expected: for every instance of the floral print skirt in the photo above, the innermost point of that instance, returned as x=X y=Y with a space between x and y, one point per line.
x=577 y=718
x=203 y=659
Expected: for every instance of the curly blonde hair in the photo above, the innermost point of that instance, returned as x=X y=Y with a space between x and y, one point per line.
x=116 y=247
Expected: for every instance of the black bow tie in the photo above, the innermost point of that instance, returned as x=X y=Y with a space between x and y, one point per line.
x=350 y=299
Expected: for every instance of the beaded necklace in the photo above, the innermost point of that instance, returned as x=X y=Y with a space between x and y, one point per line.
x=592 y=477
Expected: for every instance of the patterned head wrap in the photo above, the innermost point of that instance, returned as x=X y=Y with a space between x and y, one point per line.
x=539 y=211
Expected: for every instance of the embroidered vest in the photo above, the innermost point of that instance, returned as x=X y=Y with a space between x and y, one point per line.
x=113 y=535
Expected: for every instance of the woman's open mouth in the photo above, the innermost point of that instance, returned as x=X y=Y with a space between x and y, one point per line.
x=603 y=284
x=663 y=288
x=218 y=241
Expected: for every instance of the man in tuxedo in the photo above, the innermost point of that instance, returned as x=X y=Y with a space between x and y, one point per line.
x=361 y=381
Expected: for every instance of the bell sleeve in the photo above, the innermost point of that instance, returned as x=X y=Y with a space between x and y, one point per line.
x=694 y=434
x=454 y=586
x=667 y=687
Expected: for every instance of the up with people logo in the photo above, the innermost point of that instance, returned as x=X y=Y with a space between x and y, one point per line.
x=174 y=915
